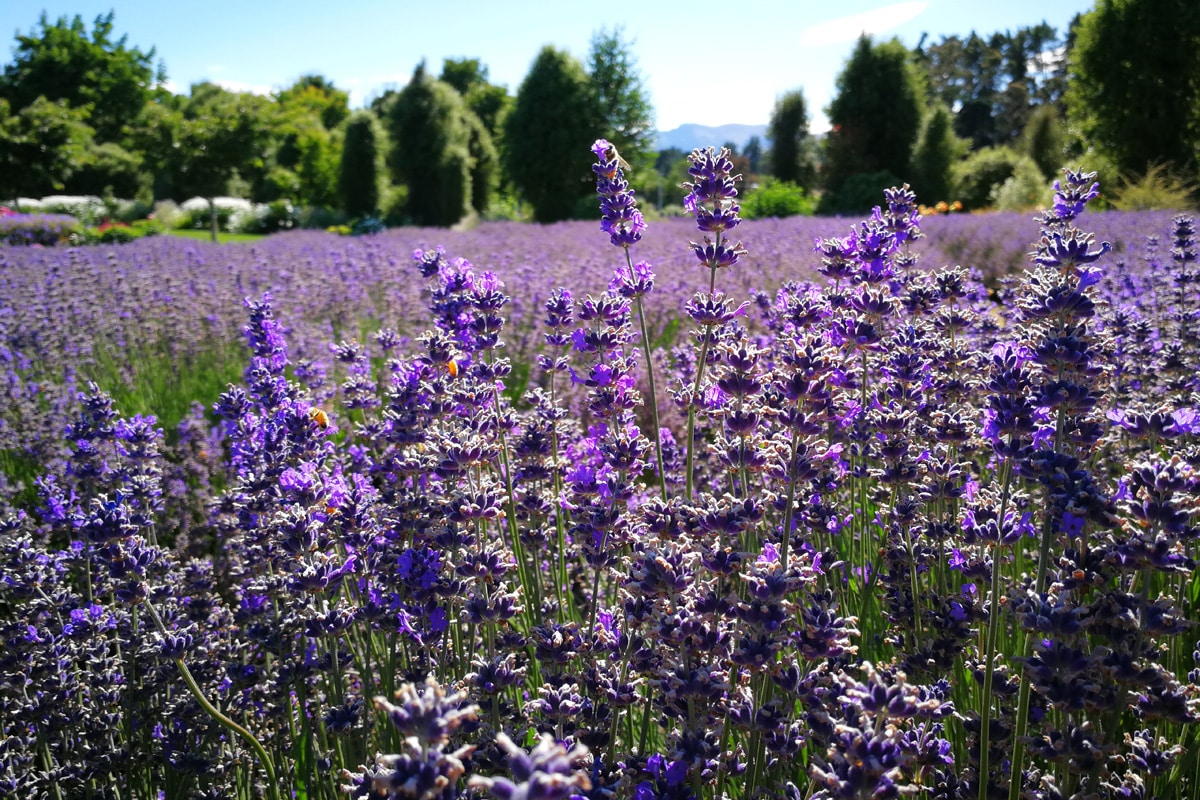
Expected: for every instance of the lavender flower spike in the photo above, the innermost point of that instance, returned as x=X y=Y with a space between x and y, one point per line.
x=620 y=217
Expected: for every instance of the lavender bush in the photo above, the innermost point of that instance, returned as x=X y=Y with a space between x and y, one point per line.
x=851 y=525
x=36 y=229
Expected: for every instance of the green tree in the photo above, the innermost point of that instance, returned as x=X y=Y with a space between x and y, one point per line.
x=485 y=163
x=431 y=149
x=1135 y=83
x=793 y=155
x=107 y=168
x=153 y=135
x=626 y=114
x=315 y=96
x=936 y=152
x=464 y=74
x=358 y=175
x=41 y=147
x=547 y=135
x=65 y=63
x=754 y=154
x=222 y=135
x=1043 y=140
x=875 y=117
x=469 y=78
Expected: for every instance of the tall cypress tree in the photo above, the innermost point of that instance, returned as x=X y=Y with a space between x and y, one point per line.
x=936 y=152
x=547 y=135
x=876 y=116
x=792 y=148
x=358 y=178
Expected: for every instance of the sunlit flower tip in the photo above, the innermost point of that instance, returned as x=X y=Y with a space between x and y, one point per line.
x=601 y=148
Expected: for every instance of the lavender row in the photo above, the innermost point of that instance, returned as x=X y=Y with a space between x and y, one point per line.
x=861 y=525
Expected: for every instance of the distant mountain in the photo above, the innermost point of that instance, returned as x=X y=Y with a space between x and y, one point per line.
x=689 y=137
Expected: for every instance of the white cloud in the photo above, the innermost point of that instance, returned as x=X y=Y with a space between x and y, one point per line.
x=849 y=28
x=241 y=86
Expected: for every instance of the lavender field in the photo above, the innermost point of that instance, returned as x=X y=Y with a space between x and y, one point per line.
x=806 y=508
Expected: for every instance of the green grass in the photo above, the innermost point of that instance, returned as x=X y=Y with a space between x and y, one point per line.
x=153 y=381
x=222 y=238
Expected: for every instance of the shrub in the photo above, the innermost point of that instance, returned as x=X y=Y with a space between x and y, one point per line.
x=859 y=194
x=1159 y=188
x=1026 y=189
x=393 y=202
x=984 y=171
x=1043 y=140
x=367 y=226
x=36 y=229
x=129 y=211
x=777 y=199
x=168 y=214
x=231 y=213
x=278 y=215
x=506 y=207
x=115 y=233
x=320 y=217
x=937 y=150
x=277 y=184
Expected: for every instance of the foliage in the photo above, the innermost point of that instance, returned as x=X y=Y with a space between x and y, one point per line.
x=41 y=146
x=232 y=213
x=982 y=173
x=626 y=114
x=1157 y=188
x=938 y=149
x=116 y=233
x=1027 y=188
x=755 y=156
x=464 y=74
x=993 y=81
x=367 y=226
x=221 y=135
x=1135 y=88
x=315 y=96
x=547 y=134
x=359 y=174
x=108 y=168
x=858 y=194
x=776 y=198
x=485 y=163
x=431 y=149
x=1044 y=140
x=793 y=151
x=875 y=118
x=62 y=62
x=278 y=215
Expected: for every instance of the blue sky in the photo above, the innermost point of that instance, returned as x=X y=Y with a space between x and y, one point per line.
x=704 y=61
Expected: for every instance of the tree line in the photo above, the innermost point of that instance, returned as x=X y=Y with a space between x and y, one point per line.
x=84 y=112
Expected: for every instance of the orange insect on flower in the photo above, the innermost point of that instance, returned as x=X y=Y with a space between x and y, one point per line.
x=319 y=416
